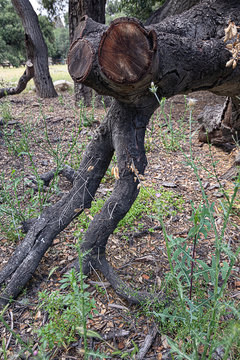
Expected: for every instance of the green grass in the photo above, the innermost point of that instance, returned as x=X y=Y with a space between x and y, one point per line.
x=148 y=203
x=10 y=76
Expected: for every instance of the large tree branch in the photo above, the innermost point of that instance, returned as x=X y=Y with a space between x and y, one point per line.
x=174 y=62
x=128 y=131
x=22 y=83
x=54 y=219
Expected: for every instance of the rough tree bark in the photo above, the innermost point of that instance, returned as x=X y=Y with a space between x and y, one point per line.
x=36 y=48
x=169 y=8
x=77 y=9
x=179 y=55
x=221 y=124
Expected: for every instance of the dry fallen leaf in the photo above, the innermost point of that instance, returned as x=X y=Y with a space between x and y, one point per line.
x=121 y=345
x=164 y=341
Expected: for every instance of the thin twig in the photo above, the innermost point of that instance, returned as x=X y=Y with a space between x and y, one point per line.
x=10 y=337
x=147 y=344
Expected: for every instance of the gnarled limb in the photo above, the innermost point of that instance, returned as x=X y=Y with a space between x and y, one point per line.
x=122 y=131
x=128 y=131
x=54 y=219
x=22 y=83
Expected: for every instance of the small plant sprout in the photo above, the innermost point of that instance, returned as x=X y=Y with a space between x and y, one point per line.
x=153 y=89
x=191 y=102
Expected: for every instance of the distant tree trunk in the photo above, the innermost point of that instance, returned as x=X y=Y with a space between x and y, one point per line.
x=36 y=48
x=77 y=9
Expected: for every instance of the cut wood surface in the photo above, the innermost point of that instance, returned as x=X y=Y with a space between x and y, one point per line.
x=126 y=51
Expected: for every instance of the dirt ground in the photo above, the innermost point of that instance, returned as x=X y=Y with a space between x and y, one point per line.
x=142 y=260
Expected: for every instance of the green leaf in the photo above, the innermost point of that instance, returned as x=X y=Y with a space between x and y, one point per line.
x=224 y=269
x=52 y=271
x=180 y=289
x=175 y=348
x=125 y=354
x=89 y=333
x=176 y=254
x=136 y=349
x=118 y=352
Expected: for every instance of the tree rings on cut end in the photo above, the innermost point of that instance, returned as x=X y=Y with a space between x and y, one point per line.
x=125 y=51
x=80 y=59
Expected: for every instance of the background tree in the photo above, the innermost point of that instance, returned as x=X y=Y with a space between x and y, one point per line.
x=48 y=30
x=61 y=44
x=36 y=47
x=113 y=10
x=12 y=49
x=140 y=9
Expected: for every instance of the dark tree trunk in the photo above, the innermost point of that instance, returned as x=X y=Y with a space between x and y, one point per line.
x=77 y=9
x=179 y=55
x=36 y=48
x=22 y=83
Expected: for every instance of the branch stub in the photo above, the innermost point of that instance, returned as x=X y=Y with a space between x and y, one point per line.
x=126 y=51
x=80 y=59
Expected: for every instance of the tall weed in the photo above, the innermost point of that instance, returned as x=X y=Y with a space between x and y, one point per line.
x=196 y=311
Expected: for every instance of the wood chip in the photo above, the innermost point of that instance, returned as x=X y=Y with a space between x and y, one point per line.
x=169 y=184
